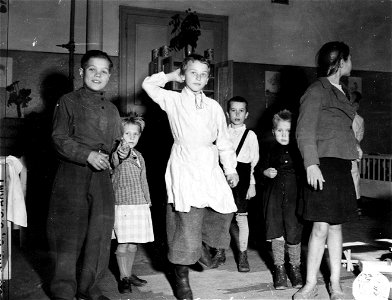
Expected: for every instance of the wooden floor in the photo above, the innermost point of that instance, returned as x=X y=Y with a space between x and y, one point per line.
x=31 y=271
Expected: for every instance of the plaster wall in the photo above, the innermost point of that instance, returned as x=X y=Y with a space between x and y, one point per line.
x=259 y=31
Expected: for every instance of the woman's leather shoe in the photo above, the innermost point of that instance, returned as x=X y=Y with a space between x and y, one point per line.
x=301 y=294
x=335 y=295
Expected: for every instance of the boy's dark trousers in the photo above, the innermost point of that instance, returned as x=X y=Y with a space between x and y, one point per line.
x=81 y=218
x=187 y=230
x=240 y=191
x=186 y=233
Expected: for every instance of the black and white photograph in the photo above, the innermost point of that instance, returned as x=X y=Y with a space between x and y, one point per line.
x=197 y=150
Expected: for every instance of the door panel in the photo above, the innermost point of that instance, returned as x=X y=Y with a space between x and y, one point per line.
x=157 y=36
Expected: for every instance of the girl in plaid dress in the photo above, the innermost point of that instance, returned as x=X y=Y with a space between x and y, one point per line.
x=133 y=222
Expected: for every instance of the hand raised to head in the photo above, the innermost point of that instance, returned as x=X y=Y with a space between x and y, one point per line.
x=175 y=76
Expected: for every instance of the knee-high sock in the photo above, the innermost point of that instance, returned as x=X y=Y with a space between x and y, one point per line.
x=131 y=251
x=278 y=251
x=294 y=254
x=242 y=221
x=122 y=262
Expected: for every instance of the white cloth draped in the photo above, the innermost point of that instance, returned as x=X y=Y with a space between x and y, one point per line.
x=16 y=188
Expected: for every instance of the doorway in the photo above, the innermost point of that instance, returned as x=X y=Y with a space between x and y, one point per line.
x=141 y=31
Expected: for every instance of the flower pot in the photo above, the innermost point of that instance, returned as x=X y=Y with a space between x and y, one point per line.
x=188 y=50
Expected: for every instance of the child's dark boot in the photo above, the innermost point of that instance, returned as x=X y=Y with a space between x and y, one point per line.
x=243 y=264
x=181 y=283
x=279 y=272
x=124 y=286
x=205 y=259
x=219 y=258
x=280 y=277
x=136 y=281
x=295 y=276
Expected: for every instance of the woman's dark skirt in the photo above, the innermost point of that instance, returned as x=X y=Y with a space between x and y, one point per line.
x=336 y=202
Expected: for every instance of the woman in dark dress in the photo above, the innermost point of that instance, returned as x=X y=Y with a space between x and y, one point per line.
x=327 y=144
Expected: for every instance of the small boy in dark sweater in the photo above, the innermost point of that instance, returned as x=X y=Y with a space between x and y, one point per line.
x=282 y=166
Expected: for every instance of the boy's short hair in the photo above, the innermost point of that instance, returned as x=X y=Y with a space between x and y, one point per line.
x=283 y=115
x=95 y=54
x=237 y=99
x=134 y=120
x=194 y=57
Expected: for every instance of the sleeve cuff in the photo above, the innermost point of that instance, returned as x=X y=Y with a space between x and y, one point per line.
x=310 y=156
x=230 y=171
x=163 y=77
x=84 y=156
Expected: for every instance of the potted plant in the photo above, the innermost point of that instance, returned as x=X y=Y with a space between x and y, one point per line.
x=186 y=31
x=19 y=97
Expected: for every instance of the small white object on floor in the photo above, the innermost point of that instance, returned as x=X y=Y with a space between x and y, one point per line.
x=349 y=262
x=371 y=286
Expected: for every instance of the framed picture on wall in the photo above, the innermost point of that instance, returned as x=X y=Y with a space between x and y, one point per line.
x=272 y=82
x=272 y=87
x=355 y=84
x=5 y=71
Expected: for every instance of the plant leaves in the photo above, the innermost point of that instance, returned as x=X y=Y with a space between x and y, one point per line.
x=21 y=98
x=186 y=30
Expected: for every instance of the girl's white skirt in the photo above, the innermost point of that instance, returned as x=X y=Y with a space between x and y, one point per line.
x=133 y=224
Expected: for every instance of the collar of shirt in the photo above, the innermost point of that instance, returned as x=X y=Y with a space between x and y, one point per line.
x=198 y=97
x=236 y=131
x=339 y=87
x=92 y=97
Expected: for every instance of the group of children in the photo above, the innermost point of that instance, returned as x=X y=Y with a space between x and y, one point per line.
x=97 y=192
x=209 y=181
x=202 y=211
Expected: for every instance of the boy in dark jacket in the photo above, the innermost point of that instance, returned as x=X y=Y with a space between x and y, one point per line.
x=81 y=214
x=281 y=167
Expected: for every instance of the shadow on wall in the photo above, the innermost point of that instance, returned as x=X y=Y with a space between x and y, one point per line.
x=40 y=157
x=155 y=145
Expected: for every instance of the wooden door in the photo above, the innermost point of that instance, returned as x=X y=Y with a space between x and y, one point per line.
x=224 y=82
x=142 y=30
